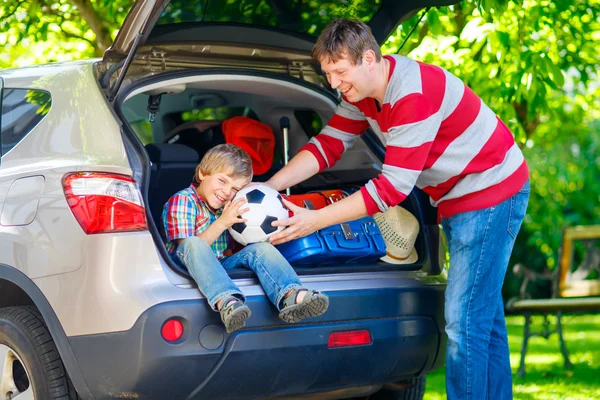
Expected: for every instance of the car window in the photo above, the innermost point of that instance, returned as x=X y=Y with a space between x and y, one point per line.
x=295 y=15
x=220 y=113
x=22 y=110
x=310 y=122
x=149 y=133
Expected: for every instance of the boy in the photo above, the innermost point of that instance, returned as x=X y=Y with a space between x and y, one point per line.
x=196 y=220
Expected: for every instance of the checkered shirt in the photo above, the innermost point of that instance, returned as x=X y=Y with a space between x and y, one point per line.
x=187 y=214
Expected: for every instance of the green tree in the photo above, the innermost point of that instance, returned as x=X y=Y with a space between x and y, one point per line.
x=37 y=31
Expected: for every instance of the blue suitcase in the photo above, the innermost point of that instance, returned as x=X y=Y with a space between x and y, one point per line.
x=351 y=242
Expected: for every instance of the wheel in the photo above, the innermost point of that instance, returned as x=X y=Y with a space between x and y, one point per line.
x=30 y=366
x=414 y=392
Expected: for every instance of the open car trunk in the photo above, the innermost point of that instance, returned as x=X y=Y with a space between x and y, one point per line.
x=209 y=96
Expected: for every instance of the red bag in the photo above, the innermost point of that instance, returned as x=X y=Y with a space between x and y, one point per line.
x=316 y=200
x=254 y=137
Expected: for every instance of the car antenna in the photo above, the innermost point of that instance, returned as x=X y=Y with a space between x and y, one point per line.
x=412 y=30
x=204 y=10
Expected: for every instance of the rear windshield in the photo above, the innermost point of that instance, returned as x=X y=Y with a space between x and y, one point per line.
x=305 y=16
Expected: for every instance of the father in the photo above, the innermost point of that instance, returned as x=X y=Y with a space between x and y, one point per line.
x=442 y=138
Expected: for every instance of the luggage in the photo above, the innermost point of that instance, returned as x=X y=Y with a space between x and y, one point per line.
x=316 y=200
x=351 y=242
x=256 y=138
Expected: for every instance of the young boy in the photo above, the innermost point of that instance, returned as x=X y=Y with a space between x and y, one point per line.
x=196 y=220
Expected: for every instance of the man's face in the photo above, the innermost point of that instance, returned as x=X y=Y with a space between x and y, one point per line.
x=353 y=80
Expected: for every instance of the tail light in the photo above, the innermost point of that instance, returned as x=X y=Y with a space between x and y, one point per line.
x=104 y=202
x=172 y=330
x=349 y=338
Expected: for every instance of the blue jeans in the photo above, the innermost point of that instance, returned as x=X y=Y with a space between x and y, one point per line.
x=275 y=274
x=480 y=244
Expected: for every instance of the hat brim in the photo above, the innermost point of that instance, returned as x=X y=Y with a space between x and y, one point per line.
x=411 y=259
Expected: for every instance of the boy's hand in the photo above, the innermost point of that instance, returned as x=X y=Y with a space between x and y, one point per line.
x=232 y=213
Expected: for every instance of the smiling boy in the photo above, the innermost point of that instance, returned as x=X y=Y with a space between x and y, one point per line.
x=196 y=221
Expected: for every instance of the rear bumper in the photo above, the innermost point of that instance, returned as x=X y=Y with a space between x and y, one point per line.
x=268 y=358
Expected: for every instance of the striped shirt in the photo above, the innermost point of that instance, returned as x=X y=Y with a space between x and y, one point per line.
x=439 y=136
x=187 y=214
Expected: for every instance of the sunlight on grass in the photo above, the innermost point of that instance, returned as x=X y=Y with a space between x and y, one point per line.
x=546 y=377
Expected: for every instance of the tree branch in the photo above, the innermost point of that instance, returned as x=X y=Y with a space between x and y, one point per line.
x=96 y=24
x=11 y=13
x=528 y=125
x=76 y=36
x=422 y=33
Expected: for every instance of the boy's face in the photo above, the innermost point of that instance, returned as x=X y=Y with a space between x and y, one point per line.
x=219 y=188
x=353 y=80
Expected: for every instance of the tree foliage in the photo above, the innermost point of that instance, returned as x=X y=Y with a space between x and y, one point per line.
x=535 y=63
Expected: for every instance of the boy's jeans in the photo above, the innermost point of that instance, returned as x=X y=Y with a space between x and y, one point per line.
x=480 y=244
x=275 y=273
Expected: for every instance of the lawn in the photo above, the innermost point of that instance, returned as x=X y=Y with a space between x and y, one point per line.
x=546 y=377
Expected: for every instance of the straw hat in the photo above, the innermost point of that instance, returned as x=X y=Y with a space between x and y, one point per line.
x=399 y=229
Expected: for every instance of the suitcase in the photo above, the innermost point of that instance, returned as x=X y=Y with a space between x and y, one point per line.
x=316 y=200
x=351 y=242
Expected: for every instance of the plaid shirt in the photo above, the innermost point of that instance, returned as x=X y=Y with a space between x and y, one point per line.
x=187 y=214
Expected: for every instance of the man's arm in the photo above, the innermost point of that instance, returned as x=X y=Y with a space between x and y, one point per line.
x=325 y=149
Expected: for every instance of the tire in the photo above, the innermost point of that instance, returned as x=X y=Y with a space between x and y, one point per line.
x=415 y=392
x=29 y=361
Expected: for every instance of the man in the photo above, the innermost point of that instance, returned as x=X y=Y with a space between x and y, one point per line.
x=442 y=138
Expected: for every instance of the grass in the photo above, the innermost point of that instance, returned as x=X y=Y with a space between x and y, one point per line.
x=546 y=378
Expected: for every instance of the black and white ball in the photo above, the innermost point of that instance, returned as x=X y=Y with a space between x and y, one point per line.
x=265 y=206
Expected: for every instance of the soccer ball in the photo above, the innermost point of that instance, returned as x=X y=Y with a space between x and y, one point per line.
x=265 y=206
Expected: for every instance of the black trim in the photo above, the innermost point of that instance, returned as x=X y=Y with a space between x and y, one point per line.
x=406 y=320
x=393 y=13
x=58 y=334
x=252 y=34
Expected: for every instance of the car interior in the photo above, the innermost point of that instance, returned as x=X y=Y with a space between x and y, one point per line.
x=182 y=124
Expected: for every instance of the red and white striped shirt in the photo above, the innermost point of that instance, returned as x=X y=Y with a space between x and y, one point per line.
x=439 y=136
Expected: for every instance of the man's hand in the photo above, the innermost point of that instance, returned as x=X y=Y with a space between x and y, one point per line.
x=303 y=223
x=232 y=213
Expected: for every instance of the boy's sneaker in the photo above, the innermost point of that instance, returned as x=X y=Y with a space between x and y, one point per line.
x=312 y=305
x=234 y=314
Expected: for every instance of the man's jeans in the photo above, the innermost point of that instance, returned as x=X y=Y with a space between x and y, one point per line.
x=480 y=244
x=274 y=272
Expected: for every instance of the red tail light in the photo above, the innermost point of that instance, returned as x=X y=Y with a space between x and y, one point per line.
x=172 y=330
x=349 y=338
x=103 y=202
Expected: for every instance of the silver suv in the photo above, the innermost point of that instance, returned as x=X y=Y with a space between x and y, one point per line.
x=90 y=304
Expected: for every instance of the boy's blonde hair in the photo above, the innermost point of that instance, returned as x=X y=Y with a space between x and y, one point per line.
x=344 y=38
x=228 y=159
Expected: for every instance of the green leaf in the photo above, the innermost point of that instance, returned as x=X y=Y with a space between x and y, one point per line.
x=503 y=38
x=433 y=20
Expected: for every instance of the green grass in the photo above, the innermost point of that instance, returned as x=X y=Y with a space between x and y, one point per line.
x=546 y=378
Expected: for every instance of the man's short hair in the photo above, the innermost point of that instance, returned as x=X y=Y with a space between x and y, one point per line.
x=228 y=159
x=345 y=38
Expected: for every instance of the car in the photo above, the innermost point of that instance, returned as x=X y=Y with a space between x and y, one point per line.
x=92 y=307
